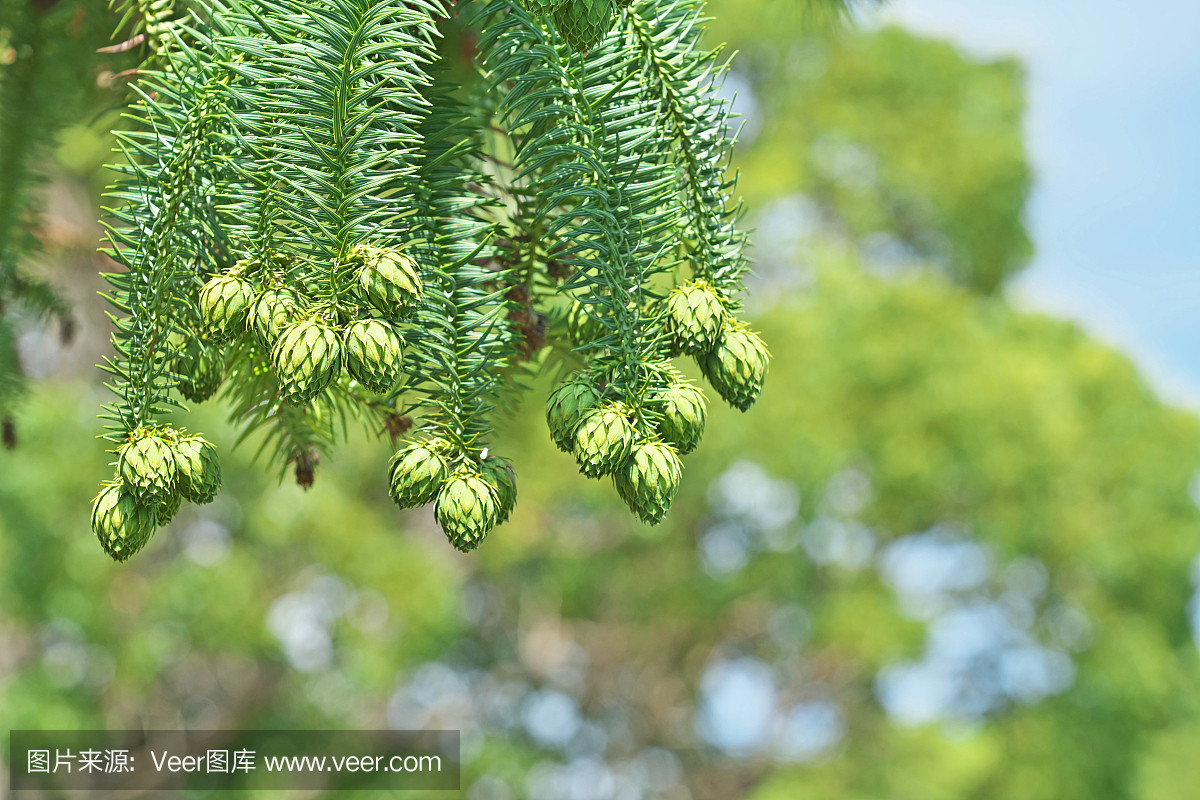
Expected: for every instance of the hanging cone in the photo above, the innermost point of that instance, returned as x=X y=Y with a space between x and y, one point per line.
x=648 y=480
x=374 y=354
x=467 y=508
x=307 y=358
x=418 y=472
x=121 y=522
x=737 y=366
x=603 y=440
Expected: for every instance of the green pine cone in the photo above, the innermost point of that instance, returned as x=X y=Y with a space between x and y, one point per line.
x=603 y=440
x=146 y=464
x=307 y=357
x=695 y=316
x=418 y=472
x=684 y=411
x=121 y=522
x=374 y=354
x=737 y=366
x=583 y=23
x=467 y=508
x=565 y=409
x=270 y=312
x=500 y=472
x=581 y=326
x=223 y=303
x=389 y=278
x=199 y=469
x=648 y=480
x=201 y=369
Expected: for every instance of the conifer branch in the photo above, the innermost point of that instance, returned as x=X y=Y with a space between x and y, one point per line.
x=311 y=220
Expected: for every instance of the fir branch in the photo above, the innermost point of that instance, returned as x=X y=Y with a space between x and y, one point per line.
x=590 y=145
x=682 y=79
x=319 y=155
x=160 y=232
x=459 y=335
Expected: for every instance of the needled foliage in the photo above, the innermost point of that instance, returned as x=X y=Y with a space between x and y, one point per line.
x=314 y=222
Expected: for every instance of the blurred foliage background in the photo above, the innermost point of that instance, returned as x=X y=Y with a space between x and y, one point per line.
x=948 y=555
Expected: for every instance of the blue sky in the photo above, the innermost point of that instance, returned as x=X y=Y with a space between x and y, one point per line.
x=1113 y=130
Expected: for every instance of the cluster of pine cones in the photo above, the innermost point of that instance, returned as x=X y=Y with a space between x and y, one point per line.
x=308 y=345
x=583 y=23
x=640 y=448
x=308 y=351
x=470 y=498
x=157 y=469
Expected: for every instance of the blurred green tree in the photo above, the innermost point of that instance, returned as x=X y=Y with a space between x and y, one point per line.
x=50 y=77
x=853 y=121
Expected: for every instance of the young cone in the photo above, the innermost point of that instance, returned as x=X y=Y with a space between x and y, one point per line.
x=121 y=522
x=417 y=472
x=504 y=479
x=389 y=278
x=648 y=480
x=373 y=353
x=201 y=368
x=684 y=411
x=565 y=409
x=270 y=312
x=467 y=508
x=695 y=316
x=223 y=303
x=737 y=366
x=146 y=464
x=199 y=469
x=307 y=357
x=583 y=23
x=603 y=440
